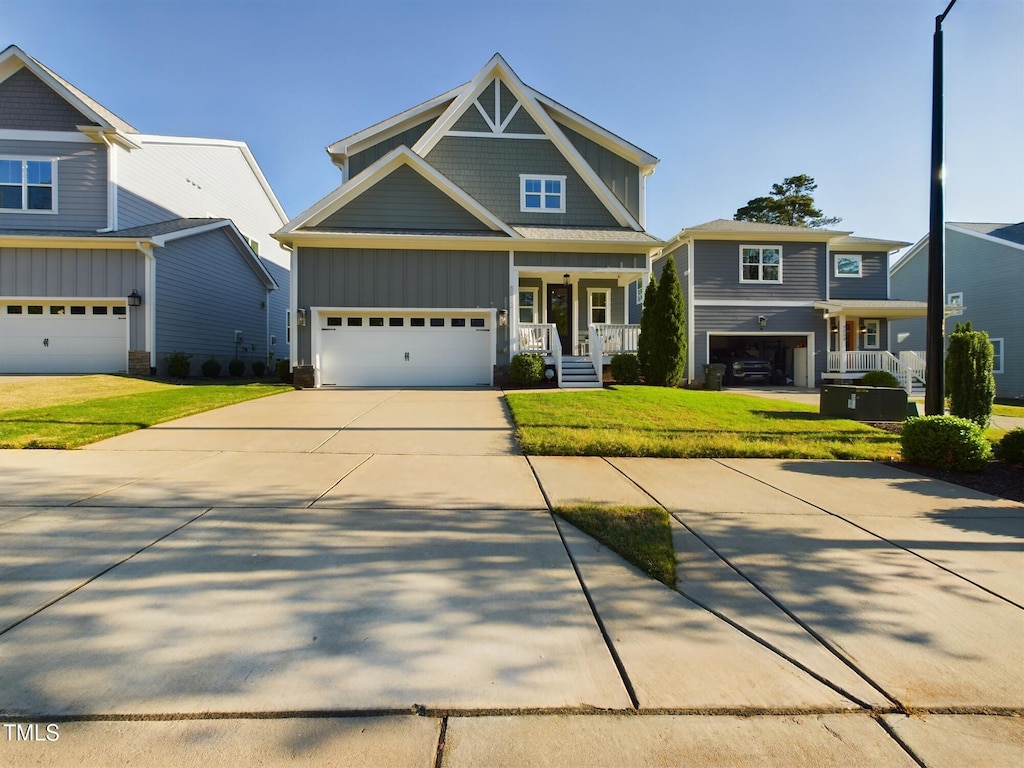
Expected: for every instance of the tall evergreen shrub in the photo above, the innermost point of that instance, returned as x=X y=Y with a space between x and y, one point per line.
x=667 y=362
x=643 y=350
x=969 y=382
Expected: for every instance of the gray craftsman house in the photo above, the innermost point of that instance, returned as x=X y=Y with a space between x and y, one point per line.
x=118 y=247
x=483 y=222
x=984 y=282
x=814 y=303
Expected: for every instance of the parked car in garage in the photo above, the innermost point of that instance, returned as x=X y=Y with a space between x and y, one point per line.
x=748 y=370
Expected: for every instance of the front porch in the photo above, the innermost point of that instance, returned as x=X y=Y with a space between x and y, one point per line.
x=581 y=365
x=851 y=365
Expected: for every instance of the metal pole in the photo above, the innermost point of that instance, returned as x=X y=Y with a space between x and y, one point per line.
x=934 y=402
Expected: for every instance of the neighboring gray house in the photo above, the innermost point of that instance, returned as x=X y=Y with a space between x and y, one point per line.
x=984 y=284
x=118 y=248
x=486 y=221
x=815 y=303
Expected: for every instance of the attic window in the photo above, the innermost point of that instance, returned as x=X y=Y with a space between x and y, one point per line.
x=28 y=185
x=541 y=194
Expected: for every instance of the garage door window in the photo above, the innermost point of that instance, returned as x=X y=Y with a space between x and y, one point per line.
x=13 y=309
x=77 y=310
x=376 y=322
x=396 y=322
x=99 y=310
x=418 y=322
x=56 y=310
x=354 y=322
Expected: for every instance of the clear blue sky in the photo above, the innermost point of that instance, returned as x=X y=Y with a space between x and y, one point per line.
x=732 y=95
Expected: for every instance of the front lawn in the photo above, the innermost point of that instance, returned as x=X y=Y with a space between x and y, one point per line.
x=70 y=412
x=1005 y=409
x=679 y=423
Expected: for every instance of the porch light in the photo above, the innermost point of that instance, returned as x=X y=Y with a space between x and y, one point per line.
x=762 y=322
x=134 y=299
x=863 y=329
x=565 y=280
x=502 y=318
x=301 y=318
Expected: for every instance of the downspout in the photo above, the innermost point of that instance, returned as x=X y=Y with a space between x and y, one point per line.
x=691 y=310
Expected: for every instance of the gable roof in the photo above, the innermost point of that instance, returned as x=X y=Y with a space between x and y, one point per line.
x=1010 y=235
x=446 y=109
x=396 y=158
x=12 y=59
x=730 y=229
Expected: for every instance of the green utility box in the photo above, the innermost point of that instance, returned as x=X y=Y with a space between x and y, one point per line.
x=863 y=403
x=713 y=375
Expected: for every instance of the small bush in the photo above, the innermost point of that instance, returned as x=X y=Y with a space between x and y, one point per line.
x=179 y=365
x=969 y=381
x=946 y=442
x=211 y=369
x=236 y=367
x=259 y=368
x=282 y=372
x=1011 y=447
x=879 y=379
x=625 y=369
x=526 y=369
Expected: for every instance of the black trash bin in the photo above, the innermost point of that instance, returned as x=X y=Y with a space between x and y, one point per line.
x=713 y=375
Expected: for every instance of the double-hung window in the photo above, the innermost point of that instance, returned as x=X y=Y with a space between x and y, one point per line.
x=997 y=355
x=528 y=305
x=761 y=264
x=600 y=302
x=28 y=184
x=541 y=194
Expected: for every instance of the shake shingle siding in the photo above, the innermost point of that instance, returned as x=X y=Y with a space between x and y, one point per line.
x=488 y=169
x=81 y=186
x=404 y=200
x=358 y=162
x=717 y=272
x=870 y=285
x=396 y=279
x=205 y=292
x=28 y=104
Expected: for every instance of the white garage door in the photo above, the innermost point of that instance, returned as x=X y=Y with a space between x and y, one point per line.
x=366 y=349
x=63 y=336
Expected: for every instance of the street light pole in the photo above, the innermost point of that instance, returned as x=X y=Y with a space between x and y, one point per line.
x=934 y=402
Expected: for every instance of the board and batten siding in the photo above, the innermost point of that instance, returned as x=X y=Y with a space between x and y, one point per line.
x=404 y=200
x=579 y=261
x=621 y=176
x=206 y=291
x=873 y=282
x=717 y=271
x=489 y=169
x=29 y=104
x=584 y=288
x=385 y=278
x=358 y=162
x=81 y=186
x=75 y=273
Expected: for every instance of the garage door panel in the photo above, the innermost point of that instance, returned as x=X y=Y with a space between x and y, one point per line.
x=63 y=343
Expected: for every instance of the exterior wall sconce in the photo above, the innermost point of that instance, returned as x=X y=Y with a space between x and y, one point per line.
x=762 y=322
x=134 y=300
x=502 y=318
x=863 y=329
x=565 y=280
x=301 y=318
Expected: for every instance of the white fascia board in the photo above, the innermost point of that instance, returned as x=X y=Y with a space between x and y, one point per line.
x=109 y=136
x=241 y=146
x=74 y=241
x=10 y=134
x=395 y=124
x=379 y=170
x=983 y=236
x=315 y=239
x=498 y=67
x=240 y=242
x=914 y=250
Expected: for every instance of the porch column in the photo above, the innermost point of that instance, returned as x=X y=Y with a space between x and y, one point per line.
x=842 y=343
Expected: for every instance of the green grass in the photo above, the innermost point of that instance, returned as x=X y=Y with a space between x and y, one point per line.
x=641 y=535
x=1008 y=410
x=85 y=412
x=678 y=423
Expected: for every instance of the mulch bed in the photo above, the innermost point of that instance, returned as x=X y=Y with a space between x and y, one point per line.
x=998 y=478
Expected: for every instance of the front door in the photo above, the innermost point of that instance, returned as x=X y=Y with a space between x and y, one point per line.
x=560 y=313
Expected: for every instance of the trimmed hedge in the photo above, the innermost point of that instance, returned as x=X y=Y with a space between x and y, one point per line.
x=625 y=369
x=526 y=369
x=879 y=379
x=947 y=442
x=211 y=369
x=179 y=365
x=259 y=368
x=1011 y=447
x=236 y=367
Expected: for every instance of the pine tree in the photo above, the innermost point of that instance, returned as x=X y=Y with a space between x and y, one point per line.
x=643 y=347
x=667 y=361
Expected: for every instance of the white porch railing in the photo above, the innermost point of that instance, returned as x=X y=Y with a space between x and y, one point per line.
x=556 y=351
x=536 y=337
x=617 y=338
x=858 y=361
x=596 y=351
x=914 y=362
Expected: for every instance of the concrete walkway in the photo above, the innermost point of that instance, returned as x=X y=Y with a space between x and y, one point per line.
x=374 y=578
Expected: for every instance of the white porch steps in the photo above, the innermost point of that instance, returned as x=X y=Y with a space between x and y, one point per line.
x=579 y=373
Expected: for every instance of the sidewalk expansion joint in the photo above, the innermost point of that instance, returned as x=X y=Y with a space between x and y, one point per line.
x=339 y=480
x=441 y=735
x=891 y=733
x=105 y=571
x=860 y=527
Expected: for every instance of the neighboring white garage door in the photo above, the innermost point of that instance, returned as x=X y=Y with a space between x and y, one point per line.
x=63 y=336
x=438 y=349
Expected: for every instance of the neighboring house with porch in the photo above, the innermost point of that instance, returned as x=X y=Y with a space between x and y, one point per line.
x=486 y=221
x=984 y=276
x=814 y=303
x=118 y=248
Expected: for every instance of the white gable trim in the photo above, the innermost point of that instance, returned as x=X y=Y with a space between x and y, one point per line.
x=983 y=236
x=255 y=262
x=399 y=156
x=498 y=68
x=915 y=249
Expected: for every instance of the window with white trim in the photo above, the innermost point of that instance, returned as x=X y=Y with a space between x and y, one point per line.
x=848 y=265
x=956 y=300
x=997 y=355
x=870 y=331
x=28 y=185
x=528 y=305
x=760 y=263
x=541 y=194
x=638 y=291
x=600 y=306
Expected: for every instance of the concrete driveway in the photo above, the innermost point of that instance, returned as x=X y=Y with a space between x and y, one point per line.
x=378 y=574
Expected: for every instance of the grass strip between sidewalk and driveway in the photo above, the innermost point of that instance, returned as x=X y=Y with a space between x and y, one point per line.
x=641 y=535
x=72 y=412
x=679 y=423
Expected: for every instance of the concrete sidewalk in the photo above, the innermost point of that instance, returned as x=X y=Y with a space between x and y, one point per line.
x=342 y=580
